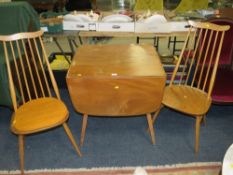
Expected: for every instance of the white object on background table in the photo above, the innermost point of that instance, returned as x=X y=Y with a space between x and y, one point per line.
x=227 y=167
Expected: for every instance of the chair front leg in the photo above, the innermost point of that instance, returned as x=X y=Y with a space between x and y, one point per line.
x=151 y=128
x=70 y=136
x=197 y=132
x=21 y=153
x=156 y=113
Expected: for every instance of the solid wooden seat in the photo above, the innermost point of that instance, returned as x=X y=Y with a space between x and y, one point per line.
x=186 y=99
x=35 y=96
x=190 y=88
x=44 y=115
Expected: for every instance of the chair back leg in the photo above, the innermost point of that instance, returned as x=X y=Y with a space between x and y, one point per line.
x=197 y=133
x=151 y=127
x=21 y=153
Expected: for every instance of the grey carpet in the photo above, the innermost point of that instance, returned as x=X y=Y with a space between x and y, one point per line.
x=120 y=141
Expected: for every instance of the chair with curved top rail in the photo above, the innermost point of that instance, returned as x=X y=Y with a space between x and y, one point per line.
x=190 y=88
x=35 y=97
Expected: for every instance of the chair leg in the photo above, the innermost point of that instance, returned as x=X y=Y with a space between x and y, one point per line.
x=21 y=153
x=84 y=126
x=151 y=128
x=197 y=133
x=70 y=136
x=156 y=114
x=204 y=120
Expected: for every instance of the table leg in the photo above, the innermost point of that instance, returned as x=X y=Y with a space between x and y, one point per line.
x=80 y=39
x=137 y=40
x=72 y=43
x=156 y=114
x=151 y=128
x=84 y=126
x=60 y=48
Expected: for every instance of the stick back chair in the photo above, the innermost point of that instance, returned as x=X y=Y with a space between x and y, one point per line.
x=190 y=88
x=35 y=97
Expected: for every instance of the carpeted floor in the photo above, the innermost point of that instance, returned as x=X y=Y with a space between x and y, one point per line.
x=120 y=142
x=181 y=169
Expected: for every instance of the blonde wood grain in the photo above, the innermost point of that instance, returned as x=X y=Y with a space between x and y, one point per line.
x=151 y=128
x=197 y=133
x=208 y=25
x=155 y=116
x=192 y=95
x=21 y=153
x=156 y=113
x=38 y=115
x=70 y=136
x=116 y=80
x=129 y=74
x=36 y=109
x=186 y=99
x=17 y=73
x=84 y=126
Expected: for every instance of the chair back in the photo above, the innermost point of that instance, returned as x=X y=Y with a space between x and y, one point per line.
x=29 y=73
x=226 y=55
x=198 y=60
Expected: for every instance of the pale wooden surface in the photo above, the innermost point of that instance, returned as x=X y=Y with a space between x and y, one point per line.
x=186 y=99
x=115 y=80
x=190 y=90
x=44 y=115
x=35 y=107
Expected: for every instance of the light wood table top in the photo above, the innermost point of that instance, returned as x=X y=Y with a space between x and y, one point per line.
x=116 y=80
